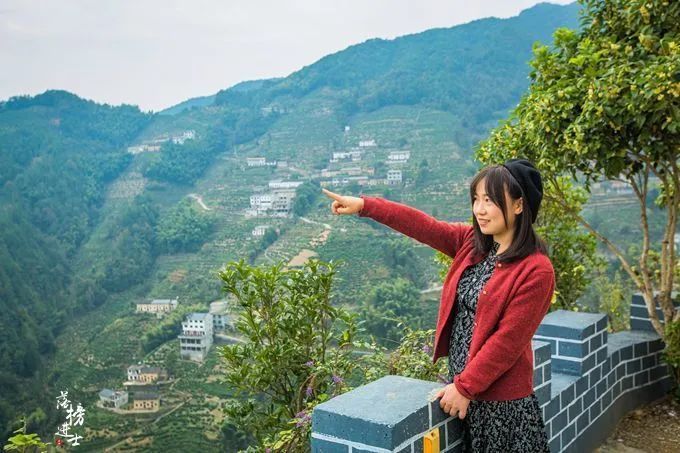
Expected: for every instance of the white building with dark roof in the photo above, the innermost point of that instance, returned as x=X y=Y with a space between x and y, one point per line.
x=197 y=336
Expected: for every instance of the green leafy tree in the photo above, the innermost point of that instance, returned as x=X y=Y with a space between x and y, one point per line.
x=604 y=104
x=614 y=300
x=305 y=196
x=389 y=306
x=423 y=173
x=572 y=251
x=25 y=443
x=297 y=349
x=183 y=229
x=412 y=358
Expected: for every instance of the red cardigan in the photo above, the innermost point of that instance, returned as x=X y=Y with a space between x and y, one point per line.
x=510 y=306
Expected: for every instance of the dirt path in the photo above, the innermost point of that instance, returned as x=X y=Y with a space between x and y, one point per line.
x=325 y=225
x=199 y=200
x=431 y=289
x=654 y=428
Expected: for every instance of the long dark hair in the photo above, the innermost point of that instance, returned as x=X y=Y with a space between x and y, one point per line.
x=525 y=241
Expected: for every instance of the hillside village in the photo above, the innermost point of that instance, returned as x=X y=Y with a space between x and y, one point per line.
x=154 y=145
x=142 y=388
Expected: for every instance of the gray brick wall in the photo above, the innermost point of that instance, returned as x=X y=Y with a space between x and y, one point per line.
x=585 y=380
x=639 y=318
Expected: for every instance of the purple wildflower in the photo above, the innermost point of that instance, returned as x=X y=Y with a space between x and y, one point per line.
x=308 y=392
x=303 y=417
x=426 y=349
x=310 y=363
x=337 y=379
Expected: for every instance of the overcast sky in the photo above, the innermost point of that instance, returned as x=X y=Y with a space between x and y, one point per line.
x=157 y=53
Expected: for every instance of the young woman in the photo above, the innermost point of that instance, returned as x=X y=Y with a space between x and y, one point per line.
x=496 y=293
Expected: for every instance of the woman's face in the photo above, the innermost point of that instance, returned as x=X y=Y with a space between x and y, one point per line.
x=489 y=216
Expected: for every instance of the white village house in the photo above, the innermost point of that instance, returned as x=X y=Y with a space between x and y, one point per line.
x=157 y=306
x=259 y=230
x=197 y=336
x=399 y=156
x=256 y=161
x=393 y=177
x=144 y=374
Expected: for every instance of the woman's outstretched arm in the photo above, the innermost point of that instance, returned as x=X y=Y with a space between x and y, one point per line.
x=447 y=237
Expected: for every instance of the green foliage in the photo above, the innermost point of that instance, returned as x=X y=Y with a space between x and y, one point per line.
x=614 y=299
x=130 y=250
x=448 y=69
x=57 y=155
x=423 y=173
x=412 y=358
x=671 y=353
x=297 y=345
x=25 y=443
x=389 y=306
x=604 y=101
x=270 y=236
x=401 y=257
x=603 y=104
x=183 y=229
x=298 y=351
x=181 y=164
x=654 y=266
x=305 y=196
x=185 y=163
x=572 y=251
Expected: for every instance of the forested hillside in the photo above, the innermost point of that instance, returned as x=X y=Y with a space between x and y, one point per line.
x=57 y=154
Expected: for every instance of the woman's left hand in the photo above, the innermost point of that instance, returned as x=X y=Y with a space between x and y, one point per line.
x=452 y=402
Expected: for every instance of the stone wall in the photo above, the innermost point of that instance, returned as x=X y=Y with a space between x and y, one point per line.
x=585 y=379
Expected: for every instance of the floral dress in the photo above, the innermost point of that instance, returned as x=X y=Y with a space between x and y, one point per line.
x=491 y=426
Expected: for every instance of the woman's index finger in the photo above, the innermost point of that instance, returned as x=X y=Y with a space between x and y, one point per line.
x=332 y=195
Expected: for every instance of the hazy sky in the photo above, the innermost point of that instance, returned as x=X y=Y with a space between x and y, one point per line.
x=156 y=53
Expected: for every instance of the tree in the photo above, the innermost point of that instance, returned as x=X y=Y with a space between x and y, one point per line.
x=25 y=443
x=305 y=196
x=390 y=306
x=183 y=229
x=604 y=104
x=297 y=349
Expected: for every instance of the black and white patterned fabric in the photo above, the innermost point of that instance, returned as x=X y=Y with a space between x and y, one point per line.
x=491 y=426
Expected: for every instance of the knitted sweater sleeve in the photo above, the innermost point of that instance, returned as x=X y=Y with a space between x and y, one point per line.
x=447 y=237
x=516 y=328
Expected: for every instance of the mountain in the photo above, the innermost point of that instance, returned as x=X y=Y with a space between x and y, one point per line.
x=201 y=101
x=205 y=101
x=57 y=155
x=88 y=228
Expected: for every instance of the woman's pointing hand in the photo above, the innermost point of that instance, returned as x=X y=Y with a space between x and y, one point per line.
x=343 y=204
